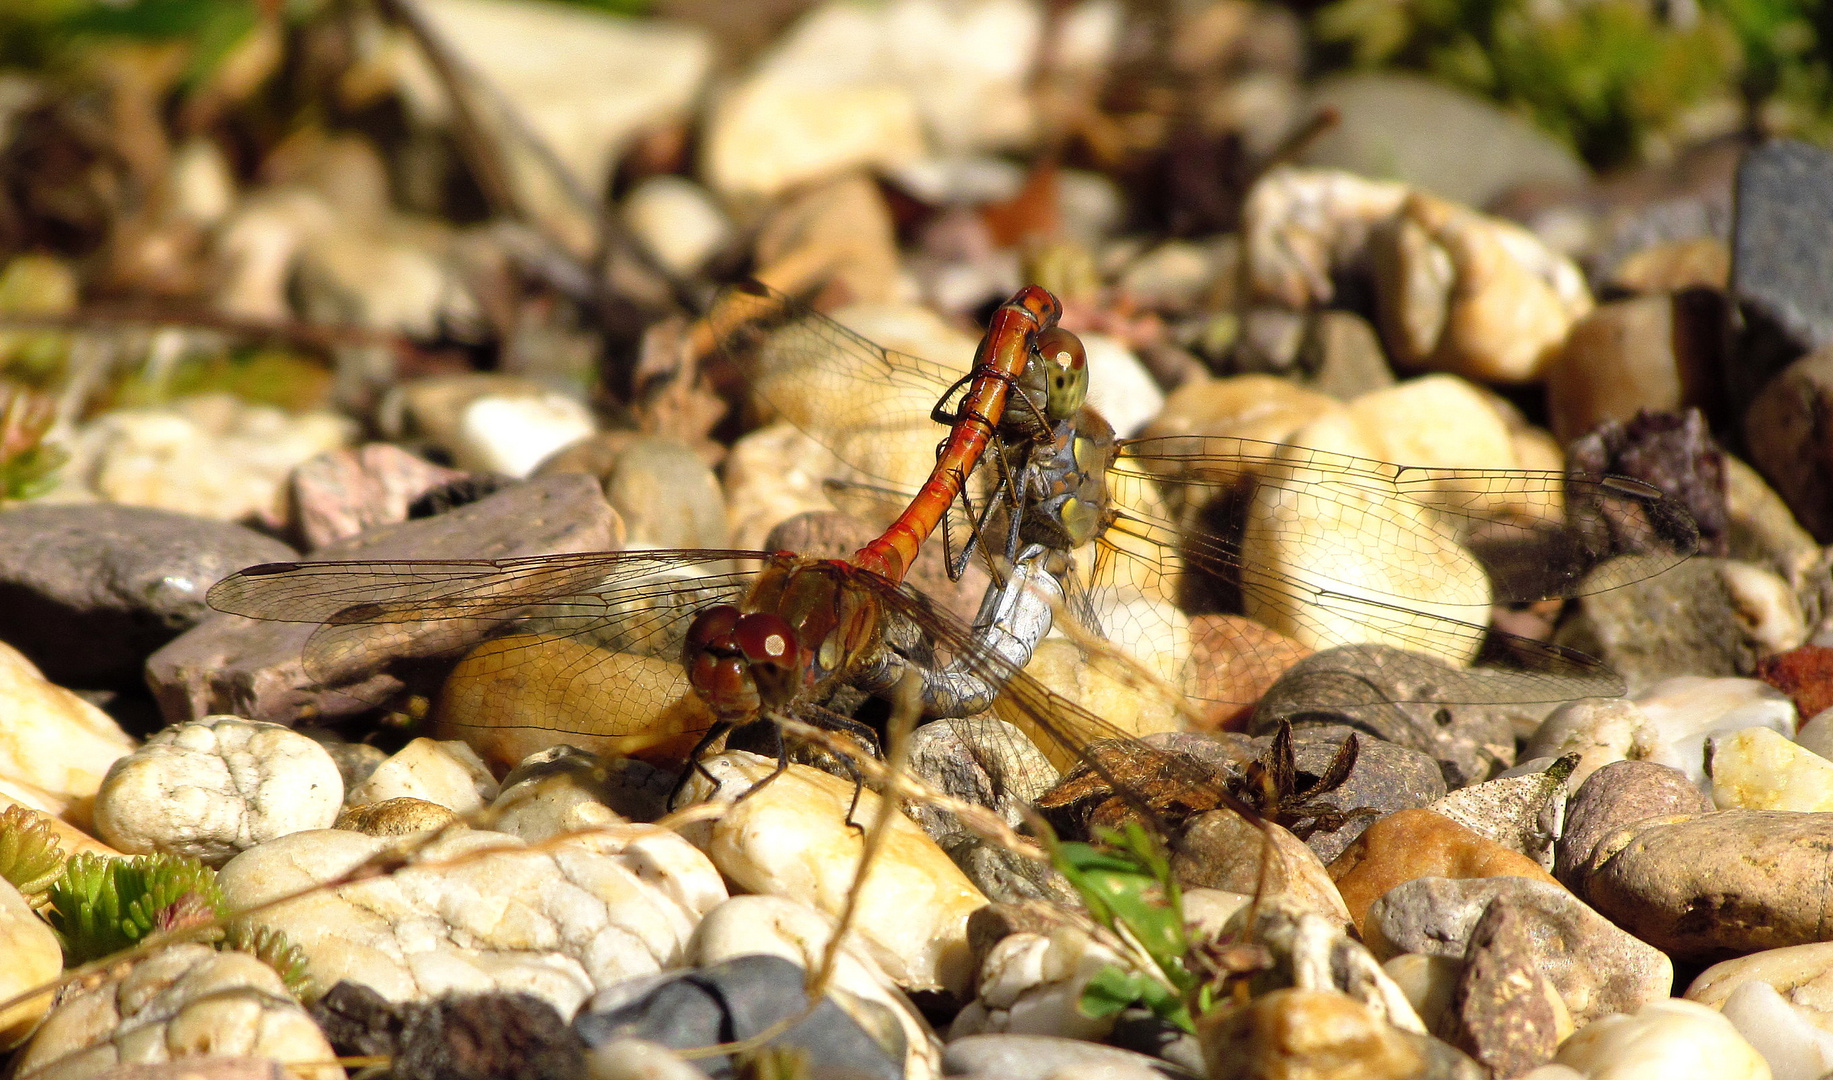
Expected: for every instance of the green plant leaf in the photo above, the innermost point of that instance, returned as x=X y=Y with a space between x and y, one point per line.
x=30 y=855
x=100 y=905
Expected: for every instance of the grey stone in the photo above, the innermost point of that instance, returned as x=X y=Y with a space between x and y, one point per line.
x=1522 y=813
x=1782 y=239
x=979 y=760
x=1005 y=876
x=1341 y=356
x=1619 y=794
x=736 y=1000
x=1420 y=131
x=1386 y=776
x=1406 y=698
x=667 y=496
x=1269 y=341
x=89 y=592
x=1040 y=1057
x=1718 y=885
x=253 y=668
x=1686 y=621
x=1597 y=968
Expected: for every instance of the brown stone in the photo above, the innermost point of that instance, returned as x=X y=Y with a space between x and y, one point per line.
x=1305 y=1035
x=1713 y=886
x=1502 y=1013
x=1233 y=660
x=1410 y=844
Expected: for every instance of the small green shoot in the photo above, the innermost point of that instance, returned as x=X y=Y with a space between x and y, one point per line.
x=1128 y=887
x=270 y=946
x=30 y=855
x=101 y=906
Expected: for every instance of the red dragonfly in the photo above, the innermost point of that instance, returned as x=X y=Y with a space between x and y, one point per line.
x=784 y=637
x=1330 y=549
x=588 y=645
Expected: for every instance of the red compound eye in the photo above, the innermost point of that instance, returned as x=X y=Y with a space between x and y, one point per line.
x=709 y=630
x=766 y=639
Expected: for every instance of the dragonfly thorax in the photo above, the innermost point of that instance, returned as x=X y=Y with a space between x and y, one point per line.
x=1066 y=477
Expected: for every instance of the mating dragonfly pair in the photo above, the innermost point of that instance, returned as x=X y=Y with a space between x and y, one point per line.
x=1069 y=522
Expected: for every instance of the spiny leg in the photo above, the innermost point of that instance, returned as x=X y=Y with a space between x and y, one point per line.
x=719 y=728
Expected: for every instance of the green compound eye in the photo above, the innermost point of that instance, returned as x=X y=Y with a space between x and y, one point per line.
x=1064 y=364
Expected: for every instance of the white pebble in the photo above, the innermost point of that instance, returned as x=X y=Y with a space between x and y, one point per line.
x=1757 y=769
x=513 y=434
x=215 y=787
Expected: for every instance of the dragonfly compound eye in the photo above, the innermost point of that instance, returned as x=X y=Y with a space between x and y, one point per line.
x=716 y=666
x=1065 y=365
x=764 y=638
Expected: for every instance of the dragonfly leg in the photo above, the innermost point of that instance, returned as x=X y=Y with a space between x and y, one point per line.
x=718 y=730
x=782 y=765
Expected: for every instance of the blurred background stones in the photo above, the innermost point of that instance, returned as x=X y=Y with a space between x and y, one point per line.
x=404 y=279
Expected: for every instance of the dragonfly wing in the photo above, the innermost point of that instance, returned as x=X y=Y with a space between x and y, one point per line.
x=1540 y=535
x=586 y=608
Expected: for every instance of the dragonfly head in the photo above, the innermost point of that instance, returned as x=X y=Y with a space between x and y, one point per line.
x=1061 y=365
x=739 y=663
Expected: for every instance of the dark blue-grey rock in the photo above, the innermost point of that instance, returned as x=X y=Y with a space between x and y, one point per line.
x=1782 y=239
x=89 y=592
x=253 y=667
x=736 y=1000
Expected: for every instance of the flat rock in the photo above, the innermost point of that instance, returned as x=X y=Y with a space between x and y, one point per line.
x=1415 y=130
x=88 y=592
x=1597 y=968
x=1716 y=885
x=1398 y=696
x=252 y=667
